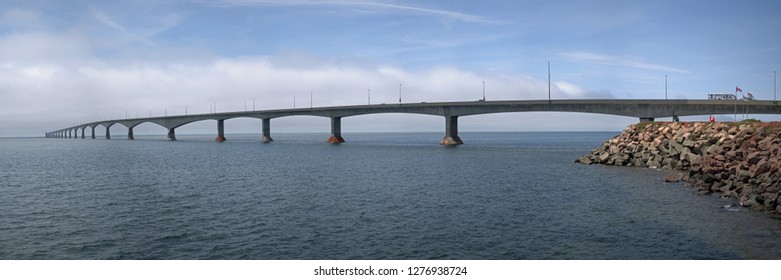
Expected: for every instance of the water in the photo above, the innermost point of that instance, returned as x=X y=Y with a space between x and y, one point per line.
x=379 y=196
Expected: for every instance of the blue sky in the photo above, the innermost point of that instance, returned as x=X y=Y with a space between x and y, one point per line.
x=67 y=62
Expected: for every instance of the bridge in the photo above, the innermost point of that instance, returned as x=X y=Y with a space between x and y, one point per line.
x=645 y=110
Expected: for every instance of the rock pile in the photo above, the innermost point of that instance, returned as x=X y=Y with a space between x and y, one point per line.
x=740 y=160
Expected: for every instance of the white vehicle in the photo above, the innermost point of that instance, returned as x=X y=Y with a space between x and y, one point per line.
x=722 y=96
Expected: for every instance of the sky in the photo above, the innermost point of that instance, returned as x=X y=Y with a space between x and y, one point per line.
x=64 y=63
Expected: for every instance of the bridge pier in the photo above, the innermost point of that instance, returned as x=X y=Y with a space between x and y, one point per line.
x=336 y=131
x=646 y=119
x=171 y=135
x=220 y=131
x=93 y=132
x=82 y=132
x=108 y=132
x=130 y=134
x=451 y=132
x=266 y=138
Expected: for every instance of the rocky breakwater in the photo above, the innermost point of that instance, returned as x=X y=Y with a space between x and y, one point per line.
x=739 y=160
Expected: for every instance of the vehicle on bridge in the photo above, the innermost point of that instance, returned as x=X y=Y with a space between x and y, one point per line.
x=722 y=96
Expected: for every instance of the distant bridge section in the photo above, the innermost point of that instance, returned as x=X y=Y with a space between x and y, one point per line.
x=645 y=110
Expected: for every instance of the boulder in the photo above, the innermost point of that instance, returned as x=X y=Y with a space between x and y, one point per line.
x=584 y=159
x=762 y=166
x=603 y=157
x=754 y=158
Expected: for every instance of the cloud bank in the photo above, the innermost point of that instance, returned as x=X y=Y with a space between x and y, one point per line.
x=95 y=89
x=100 y=67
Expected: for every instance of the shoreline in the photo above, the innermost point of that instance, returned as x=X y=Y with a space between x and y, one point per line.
x=738 y=160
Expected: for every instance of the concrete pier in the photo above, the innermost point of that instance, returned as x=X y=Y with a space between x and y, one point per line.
x=266 y=138
x=130 y=134
x=93 y=132
x=451 y=132
x=220 y=131
x=171 y=135
x=82 y=132
x=108 y=131
x=336 y=131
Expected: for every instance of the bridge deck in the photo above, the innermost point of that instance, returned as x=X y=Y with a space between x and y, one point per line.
x=648 y=109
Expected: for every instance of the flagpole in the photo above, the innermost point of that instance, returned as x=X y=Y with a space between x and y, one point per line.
x=747 y=100
x=736 y=104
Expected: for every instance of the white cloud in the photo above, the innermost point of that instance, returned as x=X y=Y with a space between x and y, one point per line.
x=143 y=29
x=381 y=5
x=618 y=61
x=106 y=20
x=27 y=47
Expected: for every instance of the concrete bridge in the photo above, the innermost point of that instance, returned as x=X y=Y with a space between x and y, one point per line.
x=645 y=110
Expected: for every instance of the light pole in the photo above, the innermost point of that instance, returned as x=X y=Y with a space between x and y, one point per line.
x=399 y=94
x=549 y=81
x=370 y=96
x=665 y=87
x=294 y=101
x=311 y=101
x=253 y=104
x=774 y=86
x=483 y=90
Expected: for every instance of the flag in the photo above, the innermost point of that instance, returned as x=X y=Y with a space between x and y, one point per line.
x=750 y=96
x=737 y=89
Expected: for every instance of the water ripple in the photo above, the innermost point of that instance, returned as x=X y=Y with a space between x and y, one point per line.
x=389 y=196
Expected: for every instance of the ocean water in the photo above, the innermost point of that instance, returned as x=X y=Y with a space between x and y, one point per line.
x=378 y=196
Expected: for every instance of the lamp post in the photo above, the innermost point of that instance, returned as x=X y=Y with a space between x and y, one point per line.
x=549 y=100
x=370 y=96
x=483 y=90
x=665 y=87
x=399 y=94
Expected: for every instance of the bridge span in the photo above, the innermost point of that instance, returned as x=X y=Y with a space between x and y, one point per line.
x=645 y=110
